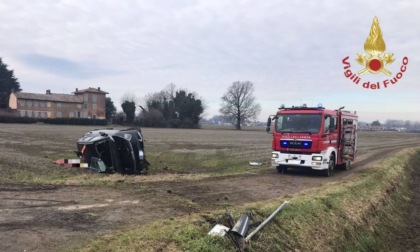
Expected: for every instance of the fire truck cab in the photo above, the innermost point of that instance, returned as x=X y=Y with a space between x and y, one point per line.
x=313 y=137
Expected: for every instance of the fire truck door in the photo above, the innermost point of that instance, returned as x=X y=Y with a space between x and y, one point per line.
x=330 y=134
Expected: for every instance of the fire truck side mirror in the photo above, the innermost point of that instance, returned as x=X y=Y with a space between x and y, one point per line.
x=268 y=124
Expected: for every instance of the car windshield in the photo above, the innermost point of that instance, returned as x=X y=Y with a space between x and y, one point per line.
x=298 y=123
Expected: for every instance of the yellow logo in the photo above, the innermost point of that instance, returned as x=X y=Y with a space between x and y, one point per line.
x=374 y=63
x=375 y=46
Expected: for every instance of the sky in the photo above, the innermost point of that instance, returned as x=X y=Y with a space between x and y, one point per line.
x=292 y=51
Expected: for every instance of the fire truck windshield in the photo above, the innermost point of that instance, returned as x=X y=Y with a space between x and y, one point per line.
x=298 y=123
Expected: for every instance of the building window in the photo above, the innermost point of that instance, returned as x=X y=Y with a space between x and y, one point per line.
x=85 y=106
x=78 y=114
x=36 y=113
x=29 y=113
x=29 y=103
x=22 y=113
x=79 y=105
x=22 y=103
x=42 y=103
x=58 y=114
x=49 y=114
x=49 y=104
x=43 y=114
x=94 y=106
x=36 y=103
x=86 y=97
x=94 y=97
x=71 y=114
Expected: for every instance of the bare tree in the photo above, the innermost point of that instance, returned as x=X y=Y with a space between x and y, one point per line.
x=170 y=91
x=239 y=102
x=167 y=94
x=130 y=97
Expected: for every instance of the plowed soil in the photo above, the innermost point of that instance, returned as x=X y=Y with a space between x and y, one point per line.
x=51 y=218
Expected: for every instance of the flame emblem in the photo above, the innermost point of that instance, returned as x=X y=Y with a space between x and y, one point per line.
x=375 y=45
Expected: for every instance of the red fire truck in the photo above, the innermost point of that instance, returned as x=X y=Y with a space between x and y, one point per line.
x=313 y=137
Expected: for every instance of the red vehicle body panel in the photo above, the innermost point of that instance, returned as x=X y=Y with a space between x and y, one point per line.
x=342 y=137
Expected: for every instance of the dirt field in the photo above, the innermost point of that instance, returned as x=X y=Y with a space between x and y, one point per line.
x=47 y=208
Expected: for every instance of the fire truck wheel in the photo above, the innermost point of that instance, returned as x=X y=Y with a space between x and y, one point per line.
x=331 y=165
x=281 y=169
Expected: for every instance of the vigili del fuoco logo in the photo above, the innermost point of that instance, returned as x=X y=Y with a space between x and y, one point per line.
x=374 y=63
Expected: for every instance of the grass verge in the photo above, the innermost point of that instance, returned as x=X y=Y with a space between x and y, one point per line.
x=351 y=215
x=29 y=166
x=214 y=163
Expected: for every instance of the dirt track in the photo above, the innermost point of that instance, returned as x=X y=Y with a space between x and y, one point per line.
x=50 y=218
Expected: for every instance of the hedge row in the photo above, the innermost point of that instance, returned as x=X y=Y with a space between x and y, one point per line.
x=9 y=119
x=67 y=121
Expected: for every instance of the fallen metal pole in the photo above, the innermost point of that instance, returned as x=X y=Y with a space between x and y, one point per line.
x=266 y=221
x=241 y=226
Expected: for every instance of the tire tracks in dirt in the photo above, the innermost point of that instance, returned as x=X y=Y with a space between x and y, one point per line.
x=30 y=218
x=221 y=192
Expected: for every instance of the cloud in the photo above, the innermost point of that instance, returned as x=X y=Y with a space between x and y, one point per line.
x=64 y=67
x=291 y=50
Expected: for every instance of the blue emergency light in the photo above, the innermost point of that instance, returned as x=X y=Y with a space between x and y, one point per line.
x=297 y=144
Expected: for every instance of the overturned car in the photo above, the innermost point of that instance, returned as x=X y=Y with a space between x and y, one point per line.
x=109 y=151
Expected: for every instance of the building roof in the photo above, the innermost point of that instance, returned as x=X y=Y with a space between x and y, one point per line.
x=49 y=97
x=90 y=90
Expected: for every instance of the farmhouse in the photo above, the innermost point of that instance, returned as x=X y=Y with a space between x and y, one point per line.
x=86 y=103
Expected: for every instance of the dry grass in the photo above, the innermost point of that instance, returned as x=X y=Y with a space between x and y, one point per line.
x=27 y=152
x=339 y=216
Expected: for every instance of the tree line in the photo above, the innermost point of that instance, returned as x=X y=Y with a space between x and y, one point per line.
x=179 y=108
x=8 y=82
x=170 y=107
x=398 y=124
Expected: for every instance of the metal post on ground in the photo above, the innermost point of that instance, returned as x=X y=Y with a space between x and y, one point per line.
x=266 y=221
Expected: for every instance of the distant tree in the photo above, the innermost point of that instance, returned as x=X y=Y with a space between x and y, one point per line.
x=152 y=118
x=158 y=110
x=110 y=109
x=128 y=104
x=188 y=109
x=220 y=119
x=7 y=83
x=376 y=123
x=394 y=123
x=172 y=108
x=239 y=102
x=408 y=124
x=129 y=108
x=120 y=118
